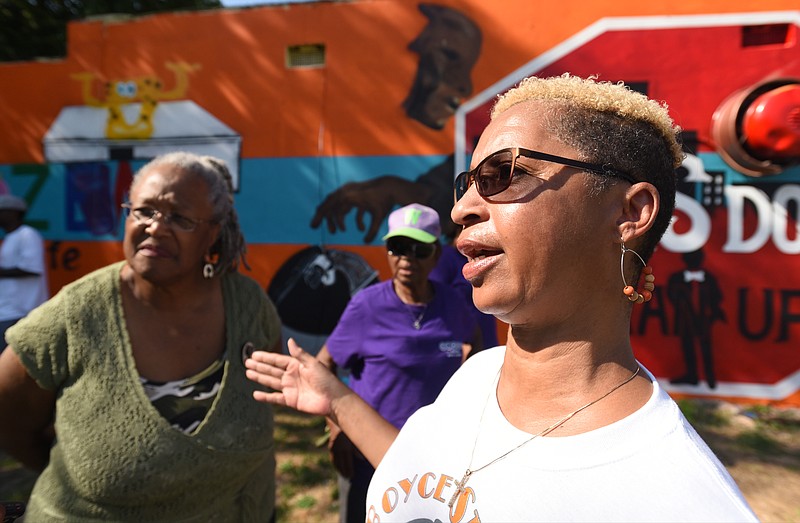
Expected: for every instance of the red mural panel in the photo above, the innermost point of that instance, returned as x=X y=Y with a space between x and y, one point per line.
x=725 y=317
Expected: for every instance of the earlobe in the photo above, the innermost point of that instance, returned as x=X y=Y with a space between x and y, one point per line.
x=639 y=211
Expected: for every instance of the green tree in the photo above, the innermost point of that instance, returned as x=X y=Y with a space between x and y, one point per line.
x=32 y=29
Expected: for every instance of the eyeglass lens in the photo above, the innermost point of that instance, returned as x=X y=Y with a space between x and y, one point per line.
x=147 y=215
x=492 y=176
x=495 y=173
x=410 y=248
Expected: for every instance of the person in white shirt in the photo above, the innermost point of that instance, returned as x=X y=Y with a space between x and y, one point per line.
x=23 y=276
x=571 y=187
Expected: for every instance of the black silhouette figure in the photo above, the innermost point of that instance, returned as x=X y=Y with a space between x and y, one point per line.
x=696 y=298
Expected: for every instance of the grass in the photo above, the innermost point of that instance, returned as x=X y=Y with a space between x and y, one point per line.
x=759 y=441
x=704 y=413
x=760 y=436
x=305 y=477
x=760 y=447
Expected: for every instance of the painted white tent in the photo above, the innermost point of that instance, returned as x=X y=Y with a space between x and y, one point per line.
x=78 y=135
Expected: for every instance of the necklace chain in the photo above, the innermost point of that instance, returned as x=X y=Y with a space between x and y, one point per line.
x=417 y=320
x=462 y=485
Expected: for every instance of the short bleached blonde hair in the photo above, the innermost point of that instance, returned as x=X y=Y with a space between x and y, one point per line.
x=609 y=124
x=603 y=97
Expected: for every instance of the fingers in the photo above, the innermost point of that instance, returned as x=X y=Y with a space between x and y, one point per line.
x=360 y=218
x=324 y=209
x=296 y=351
x=332 y=212
x=275 y=398
x=267 y=362
x=264 y=378
x=335 y=221
x=306 y=360
x=374 y=225
x=266 y=368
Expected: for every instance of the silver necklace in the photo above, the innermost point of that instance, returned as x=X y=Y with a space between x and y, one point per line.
x=461 y=486
x=417 y=320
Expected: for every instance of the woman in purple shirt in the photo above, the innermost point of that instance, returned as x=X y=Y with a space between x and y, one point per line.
x=401 y=340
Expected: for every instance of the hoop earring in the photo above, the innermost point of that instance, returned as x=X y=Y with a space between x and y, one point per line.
x=208 y=268
x=649 y=286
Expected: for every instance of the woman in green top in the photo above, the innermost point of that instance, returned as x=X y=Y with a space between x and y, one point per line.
x=128 y=388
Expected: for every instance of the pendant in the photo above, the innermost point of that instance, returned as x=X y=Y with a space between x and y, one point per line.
x=461 y=486
x=416 y=321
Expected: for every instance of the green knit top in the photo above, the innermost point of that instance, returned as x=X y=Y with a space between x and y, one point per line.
x=115 y=457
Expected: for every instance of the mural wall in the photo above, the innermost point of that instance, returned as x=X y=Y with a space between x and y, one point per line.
x=333 y=114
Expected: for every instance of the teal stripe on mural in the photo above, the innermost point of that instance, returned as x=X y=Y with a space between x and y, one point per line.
x=277 y=198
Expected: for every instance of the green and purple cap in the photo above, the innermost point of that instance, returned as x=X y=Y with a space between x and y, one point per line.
x=415 y=221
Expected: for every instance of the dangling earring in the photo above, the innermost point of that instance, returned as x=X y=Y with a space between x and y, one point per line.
x=649 y=286
x=208 y=268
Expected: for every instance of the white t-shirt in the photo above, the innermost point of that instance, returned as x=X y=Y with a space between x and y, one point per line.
x=22 y=248
x=649 y=466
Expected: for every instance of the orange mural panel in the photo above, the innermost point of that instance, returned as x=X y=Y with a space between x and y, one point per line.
x=351 y=106
x=321 y=148
x=68 y=261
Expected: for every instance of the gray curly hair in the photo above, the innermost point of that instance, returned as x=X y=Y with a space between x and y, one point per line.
x=230 y=245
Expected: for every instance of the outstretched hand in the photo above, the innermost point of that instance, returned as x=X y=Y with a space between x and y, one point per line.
x=299 y=381
x=303 y=383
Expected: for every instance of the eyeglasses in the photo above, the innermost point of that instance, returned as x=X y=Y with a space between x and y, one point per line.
x=399 y=246
x=494 y=174
x=147 y=215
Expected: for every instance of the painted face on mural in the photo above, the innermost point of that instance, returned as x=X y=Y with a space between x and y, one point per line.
x=448 y=48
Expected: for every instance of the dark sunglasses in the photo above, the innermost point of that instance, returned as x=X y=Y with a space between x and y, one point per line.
x=494 y=174
x=409 y=248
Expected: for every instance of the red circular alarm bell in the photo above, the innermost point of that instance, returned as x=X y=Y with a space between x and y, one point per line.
x=771 y=125
x=757 y=129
